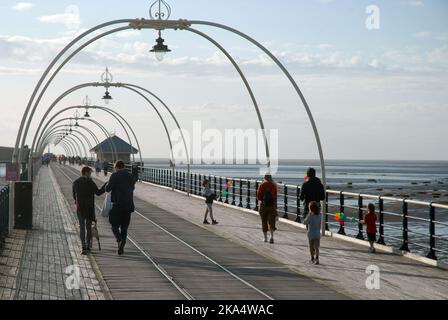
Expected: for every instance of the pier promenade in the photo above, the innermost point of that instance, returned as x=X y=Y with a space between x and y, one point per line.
x=172 y=255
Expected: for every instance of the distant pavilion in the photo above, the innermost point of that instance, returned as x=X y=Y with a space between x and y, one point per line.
x=124 y=150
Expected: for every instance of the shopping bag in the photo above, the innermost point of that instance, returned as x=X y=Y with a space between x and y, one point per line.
x=107 y=206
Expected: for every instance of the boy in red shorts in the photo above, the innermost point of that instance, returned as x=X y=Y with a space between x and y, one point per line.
x=370 y=222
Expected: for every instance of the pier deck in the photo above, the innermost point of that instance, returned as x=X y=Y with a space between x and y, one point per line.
x=172 y=255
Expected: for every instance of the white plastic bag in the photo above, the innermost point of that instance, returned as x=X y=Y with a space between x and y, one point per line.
x=107 y=206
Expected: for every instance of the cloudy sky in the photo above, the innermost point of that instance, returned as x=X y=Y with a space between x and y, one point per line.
x=375 y=94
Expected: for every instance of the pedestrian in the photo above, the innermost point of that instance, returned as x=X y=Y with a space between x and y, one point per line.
x=267 y=195
x=135 y=170
x=98 y=166
x=84 y=191
x=313 y=221
x=121 y=185
x=105 y=167
x=311 y=190
x=210 y=196
x=370 y=222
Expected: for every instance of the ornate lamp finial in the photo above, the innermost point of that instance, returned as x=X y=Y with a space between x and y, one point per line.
x=160 y=10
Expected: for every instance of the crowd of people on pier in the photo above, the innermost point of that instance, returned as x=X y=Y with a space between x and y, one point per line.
x=121 y=185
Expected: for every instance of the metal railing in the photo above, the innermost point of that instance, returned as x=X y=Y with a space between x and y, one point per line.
x=4 y=214
x=408 y=225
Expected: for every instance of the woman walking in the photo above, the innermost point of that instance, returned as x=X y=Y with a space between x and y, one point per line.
x=210 y=196
x=267 y=195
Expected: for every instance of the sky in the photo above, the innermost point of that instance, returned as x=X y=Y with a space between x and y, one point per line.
x=378 y=93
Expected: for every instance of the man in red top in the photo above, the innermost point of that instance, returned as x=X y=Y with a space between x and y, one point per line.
x=370 y=222
x=267 y=195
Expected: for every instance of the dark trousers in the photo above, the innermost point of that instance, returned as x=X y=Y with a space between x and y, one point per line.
x=120 y=218
x=85 y=231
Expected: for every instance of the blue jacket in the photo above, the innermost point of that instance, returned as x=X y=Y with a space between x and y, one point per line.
x=122 y=185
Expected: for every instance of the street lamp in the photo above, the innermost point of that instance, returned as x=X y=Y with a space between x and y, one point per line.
x=159 y=48
x=107 y=78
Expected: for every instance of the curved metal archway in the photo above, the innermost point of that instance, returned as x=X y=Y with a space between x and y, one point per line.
x=158 y=24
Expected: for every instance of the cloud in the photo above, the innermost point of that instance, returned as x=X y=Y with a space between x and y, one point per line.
x=413 y=3
x=423 y=34
x=21 y=6
x=71 y=18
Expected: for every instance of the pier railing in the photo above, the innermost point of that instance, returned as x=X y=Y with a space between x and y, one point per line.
x=4 y=214
x=408 y=225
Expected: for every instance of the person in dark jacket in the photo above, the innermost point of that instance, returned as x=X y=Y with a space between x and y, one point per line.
x=105 y=167
x=312 y=190
x=84 y=191
x=122 y=185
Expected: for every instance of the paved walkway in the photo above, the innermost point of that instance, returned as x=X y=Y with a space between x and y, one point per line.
x=343 y=264
x=37 y=260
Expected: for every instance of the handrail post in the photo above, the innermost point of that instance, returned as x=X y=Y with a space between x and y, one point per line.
x=241 y=195
x=326 y=211
x=432 y=233
x=233 y=191
x=256 y=198
x=285 y=201
x=214 y=184
x=381 y=221
x=341 y=209
x=298 y=219
x=360 y=217
x=248 y=195
x=220 y=189
x=227 y=191
x=405 y=245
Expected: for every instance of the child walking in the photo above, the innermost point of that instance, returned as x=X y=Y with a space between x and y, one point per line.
x=370 y=222
x=313 y=222
x=210 y=196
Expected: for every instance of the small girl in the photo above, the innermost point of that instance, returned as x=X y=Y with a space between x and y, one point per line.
x=313 y=222
x=370 y=222
x=209 y=197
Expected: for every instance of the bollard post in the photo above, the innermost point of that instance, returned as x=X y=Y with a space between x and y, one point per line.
x=381 y=222
x=360 y=217
x=405 y=245
x=432 y=233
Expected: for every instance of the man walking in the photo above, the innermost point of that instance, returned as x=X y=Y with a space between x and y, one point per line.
x=312 y=190
x=122 y=185
x=84 y=191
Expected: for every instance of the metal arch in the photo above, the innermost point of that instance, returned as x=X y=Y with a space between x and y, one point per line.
x=50 y=66
x=108 y=137
x=60 y=130
x=125 y=85
x=65 y=147
x=75 y=142
x=118 y=85
x=57 y=71
x=70 y=142
x=248 y=87
x=95 y=138
x=73 y=131
x=296 y=87
x=110 y=111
